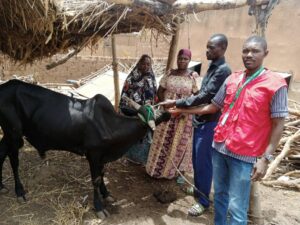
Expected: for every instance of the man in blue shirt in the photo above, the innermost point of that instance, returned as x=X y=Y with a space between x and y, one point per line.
x=204 y=125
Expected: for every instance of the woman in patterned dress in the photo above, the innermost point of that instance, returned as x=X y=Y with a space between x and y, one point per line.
x=140 y=86
x=172 y=141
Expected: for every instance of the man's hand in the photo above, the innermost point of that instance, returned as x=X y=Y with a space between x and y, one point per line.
x=259 y=169
x=175 y=111
x=168 y=103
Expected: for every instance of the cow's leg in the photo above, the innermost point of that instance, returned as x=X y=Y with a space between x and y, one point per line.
x=13 y=155
x=97 y=179
x=105 y=193
x=3 y=154
x=103 y=189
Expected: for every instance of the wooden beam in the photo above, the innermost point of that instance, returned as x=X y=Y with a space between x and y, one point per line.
x=116 y=74
x=152 y=6
x=191 y=6
x=173 y=48
x=204 y=5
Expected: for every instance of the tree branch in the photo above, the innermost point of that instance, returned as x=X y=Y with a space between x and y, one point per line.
x=287 y=184
x=152 y=6
x=191 y=6
x=286 y=149
x=203 y=5
x=62 y=60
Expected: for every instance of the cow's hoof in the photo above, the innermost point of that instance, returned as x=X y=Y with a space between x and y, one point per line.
x=21 y=199
x=109 y=199
x=4 y=190
x=102 y=214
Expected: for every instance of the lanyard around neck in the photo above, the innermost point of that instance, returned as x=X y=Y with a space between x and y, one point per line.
x=248 y=80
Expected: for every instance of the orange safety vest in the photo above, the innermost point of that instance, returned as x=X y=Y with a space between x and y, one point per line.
x=248 y=126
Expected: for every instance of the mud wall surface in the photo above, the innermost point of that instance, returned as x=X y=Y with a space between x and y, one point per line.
x=76 y=68
x=282 y=34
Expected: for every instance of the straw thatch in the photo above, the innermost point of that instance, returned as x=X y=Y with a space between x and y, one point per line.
x=34 y=29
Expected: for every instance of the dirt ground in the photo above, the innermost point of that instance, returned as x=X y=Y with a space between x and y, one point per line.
x=59 y=191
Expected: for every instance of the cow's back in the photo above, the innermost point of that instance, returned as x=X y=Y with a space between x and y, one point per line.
x=48 y=119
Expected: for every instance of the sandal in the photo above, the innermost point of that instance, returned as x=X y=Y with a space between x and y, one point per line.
x=180 y=180
x=196 y=210
x=188 y=191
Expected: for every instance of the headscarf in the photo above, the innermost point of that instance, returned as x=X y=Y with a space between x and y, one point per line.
x=185 y=52
x=141 y=88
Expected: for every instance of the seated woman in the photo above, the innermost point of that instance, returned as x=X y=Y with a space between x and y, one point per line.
x=140 y=86
x=171 y=148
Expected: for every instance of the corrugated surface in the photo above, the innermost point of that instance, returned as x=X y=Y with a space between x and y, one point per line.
x=102 y=84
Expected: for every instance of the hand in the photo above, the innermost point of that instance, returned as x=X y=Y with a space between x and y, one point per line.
x=168 y=103
x=175 y=111
x=193 y=76
x=259 y=169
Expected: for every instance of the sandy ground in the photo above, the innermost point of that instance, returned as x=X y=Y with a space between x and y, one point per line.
x=59 y=191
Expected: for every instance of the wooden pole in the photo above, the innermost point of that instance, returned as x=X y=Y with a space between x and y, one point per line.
x=255 y=206
x=261 y=15
x=173 y=48
x=116 y=74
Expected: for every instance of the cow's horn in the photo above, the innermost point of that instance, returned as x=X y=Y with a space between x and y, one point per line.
x=151 y=124
x=132 y=103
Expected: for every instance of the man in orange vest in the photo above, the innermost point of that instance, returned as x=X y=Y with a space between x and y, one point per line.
x=254 y=105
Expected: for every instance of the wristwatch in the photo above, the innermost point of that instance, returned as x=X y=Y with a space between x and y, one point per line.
x=269 y=157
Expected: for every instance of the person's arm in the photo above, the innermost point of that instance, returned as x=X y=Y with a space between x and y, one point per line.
x=208 y=91
x=207 y=109
x=260 y=168
x=163 y=86
x=160 y=93
x=279 y=110
x=205 y=94
x=196 y=80
x=217 y=103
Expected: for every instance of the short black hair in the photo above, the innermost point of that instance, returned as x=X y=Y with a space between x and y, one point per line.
x=143 y=57
x=262 y=41
x=222 y=40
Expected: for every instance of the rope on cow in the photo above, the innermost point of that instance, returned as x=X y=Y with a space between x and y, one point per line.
x=149 y=112
x=146 y=113
x=189 y=183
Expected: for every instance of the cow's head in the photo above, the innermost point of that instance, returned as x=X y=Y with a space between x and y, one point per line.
x=148 y=114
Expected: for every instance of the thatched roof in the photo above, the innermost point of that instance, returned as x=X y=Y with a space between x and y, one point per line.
x=34 y=29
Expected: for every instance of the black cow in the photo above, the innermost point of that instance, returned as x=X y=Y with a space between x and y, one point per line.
x=50 y=120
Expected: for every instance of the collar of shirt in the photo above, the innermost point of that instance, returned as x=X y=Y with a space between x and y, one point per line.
x=217 y=62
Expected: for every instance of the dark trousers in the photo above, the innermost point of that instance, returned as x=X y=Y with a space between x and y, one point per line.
x=202 y=160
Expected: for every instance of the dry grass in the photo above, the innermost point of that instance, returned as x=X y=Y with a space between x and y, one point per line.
x=57 y=191
x=34 y=29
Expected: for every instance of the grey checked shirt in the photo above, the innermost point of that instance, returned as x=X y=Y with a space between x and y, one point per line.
x=278 y=107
